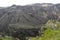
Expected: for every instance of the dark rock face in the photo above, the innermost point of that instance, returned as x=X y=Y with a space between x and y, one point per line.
x=26 y=33
x=27 y=17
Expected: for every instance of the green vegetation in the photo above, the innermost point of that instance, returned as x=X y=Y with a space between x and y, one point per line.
x=6 y=38
x=52 y=32
x=49 y=34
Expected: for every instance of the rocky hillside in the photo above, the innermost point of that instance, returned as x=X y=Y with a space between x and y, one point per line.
x=28 y=16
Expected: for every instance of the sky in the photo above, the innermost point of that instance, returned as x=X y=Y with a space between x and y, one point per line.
x=5 y=3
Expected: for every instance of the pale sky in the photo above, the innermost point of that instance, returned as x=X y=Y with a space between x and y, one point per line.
x=5 y=3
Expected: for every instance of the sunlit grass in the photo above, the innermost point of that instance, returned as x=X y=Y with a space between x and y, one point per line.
x=49 y=35
x=52 y=32
x=6 y=38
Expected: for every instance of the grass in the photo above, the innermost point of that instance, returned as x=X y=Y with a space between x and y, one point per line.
x=6 y=38
x=52 y=32
x=49 y=35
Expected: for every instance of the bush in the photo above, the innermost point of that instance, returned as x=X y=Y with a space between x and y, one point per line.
x=6 y=38
x=52 y=32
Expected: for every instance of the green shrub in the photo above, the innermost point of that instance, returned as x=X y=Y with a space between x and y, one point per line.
x=52 y=32
x=6 y=38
